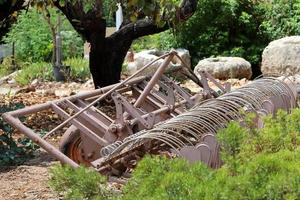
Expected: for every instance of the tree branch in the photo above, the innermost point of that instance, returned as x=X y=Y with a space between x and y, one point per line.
x=145 y=27
x=85 y=23
x=7 y=8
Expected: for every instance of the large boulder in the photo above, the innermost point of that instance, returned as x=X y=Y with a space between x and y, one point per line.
x=282 y=56
x=144 y=57
x=225 y=67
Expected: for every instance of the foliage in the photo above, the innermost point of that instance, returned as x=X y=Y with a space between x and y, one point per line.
x=79 y=71
x=31 y=71
x=6 y=67
x=12 y=152
x=281 y=18
x=221 y=27
x=33 y=39
x=81 y=183
x=230 y=28
x=161 y=41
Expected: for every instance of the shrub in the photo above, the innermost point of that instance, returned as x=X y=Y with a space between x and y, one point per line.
x=31 y=71
x=230 y=28
x=6 y=66
x=12 y=152
x=33 y=39
x=81 y=183
x=79 y=68
x=162 y=41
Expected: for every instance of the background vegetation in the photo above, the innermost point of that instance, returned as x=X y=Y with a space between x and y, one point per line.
x=258 y=164
x=231 y=28
x=218 y=28
x=33 y=40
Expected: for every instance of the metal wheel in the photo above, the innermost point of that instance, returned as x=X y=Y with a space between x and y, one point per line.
x=71 y=146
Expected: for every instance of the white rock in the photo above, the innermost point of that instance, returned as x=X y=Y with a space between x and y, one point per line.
x=63 y=92
x=35 y=82
x=11 y=81
x=140 y=60
x=185 y=55
x=144 y=57
x=225 y=67
x=282 y=56
x=89 y=83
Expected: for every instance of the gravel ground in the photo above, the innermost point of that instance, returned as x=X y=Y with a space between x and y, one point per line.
x=28 y=181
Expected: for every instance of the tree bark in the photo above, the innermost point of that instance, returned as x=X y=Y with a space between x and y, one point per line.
x=106 y=61
x=7 y=8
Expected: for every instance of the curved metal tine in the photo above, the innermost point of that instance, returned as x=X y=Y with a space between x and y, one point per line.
x=176 y=133
x=205 y=153
x=248 y=99
x=180 y=126
x=211 y=141
x=238 y=100
x=193 y=154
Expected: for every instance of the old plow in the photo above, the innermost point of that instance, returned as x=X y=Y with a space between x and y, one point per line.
x=153 y=114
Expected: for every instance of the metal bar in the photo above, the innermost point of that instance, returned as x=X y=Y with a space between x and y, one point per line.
x=80 y=126
x=93 y=121
x=164 y=109
x=47 y=105
x=108 y=93
x=38 y=140
x=95 y=112
x=154 y=80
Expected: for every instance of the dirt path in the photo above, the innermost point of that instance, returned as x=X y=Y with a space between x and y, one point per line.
x=28 y=181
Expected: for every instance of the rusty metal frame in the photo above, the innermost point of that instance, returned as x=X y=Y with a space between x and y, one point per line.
x=96 y=125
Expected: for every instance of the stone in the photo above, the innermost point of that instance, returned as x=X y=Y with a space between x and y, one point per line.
x=185 y=56
x=63 y=92
x=225 y=68
x=144 y=57
x=282 y=56
x=35 y=82
x=89 y=83
x=12 y=82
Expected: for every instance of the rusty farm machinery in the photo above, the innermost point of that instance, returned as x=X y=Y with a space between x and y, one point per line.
x=153 y=115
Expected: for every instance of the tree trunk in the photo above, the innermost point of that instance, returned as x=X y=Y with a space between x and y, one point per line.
x=106 y=59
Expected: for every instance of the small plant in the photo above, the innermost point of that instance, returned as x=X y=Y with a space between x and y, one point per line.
x=7 y=66
x=12 y=152
x=31 y=71
x=79 y=69
x=80 y=183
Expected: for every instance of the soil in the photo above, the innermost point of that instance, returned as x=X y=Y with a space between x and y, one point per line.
x=28 y=181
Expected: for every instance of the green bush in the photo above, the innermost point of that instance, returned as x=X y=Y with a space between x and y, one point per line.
x=31 y=71
x=230 y=28
x=33 y=40
x=12 y=152
x=161 y=41
x=81 y=183
x=79 y=68
x=79 y=71
x=6 y=66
